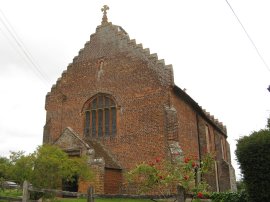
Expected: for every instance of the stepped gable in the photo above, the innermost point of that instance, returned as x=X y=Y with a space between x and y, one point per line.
x=109 y=41
x=215 y=122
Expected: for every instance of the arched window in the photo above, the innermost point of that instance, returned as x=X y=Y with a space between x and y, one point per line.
x=100 y=117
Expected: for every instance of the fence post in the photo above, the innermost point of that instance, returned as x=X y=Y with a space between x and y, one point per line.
x=90 y=195
x=180 y=196
x=26 y=194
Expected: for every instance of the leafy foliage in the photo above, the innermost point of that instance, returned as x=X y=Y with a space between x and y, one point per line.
x=253 y=154
x=4 y=167
x=229 y=197
x=11 y=192
x=21 y=167
x=241 y=187
x=164 y=176
x=45 y=168
x=52 y=165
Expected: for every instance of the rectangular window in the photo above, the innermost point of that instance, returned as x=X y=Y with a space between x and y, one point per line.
x=100 y=122
x=107 y=122
x=223 y=149
x=87 y=123
x=113 y=121
x=207 y=136
x=94 y=130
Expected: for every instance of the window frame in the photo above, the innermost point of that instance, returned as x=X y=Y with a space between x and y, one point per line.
x=207 y=138
x=224 y=149
x=102 y=122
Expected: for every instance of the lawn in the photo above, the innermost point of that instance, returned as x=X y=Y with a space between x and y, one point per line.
x=106 y=200
x=11 y=192
x=16 y=193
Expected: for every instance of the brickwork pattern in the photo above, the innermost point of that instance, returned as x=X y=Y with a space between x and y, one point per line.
x=97 y=183
x=187 y=134
x=149 y=112
x=223 y=165
x=137 y=81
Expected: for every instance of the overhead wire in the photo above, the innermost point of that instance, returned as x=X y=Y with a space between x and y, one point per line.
x=249 y=37
x=27 y=55
x=11 y=43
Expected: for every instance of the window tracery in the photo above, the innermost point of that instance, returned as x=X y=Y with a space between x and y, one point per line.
x=100 y=117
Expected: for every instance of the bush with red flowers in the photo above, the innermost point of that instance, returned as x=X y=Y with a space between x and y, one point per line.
x=163 y=176
x=200 y=195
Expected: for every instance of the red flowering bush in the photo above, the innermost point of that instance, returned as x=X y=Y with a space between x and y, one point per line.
x=200 y=195
x=164 y=176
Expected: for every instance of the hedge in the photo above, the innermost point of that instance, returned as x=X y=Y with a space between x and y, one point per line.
x=253 y=154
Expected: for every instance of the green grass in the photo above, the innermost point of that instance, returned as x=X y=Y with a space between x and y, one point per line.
x=16 y=193
x=106 y=200
x=11 y=192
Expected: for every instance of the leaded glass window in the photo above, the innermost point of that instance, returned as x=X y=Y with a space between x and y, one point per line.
x=87 y=123
x=100 y=117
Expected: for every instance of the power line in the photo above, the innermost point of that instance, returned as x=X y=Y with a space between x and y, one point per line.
x=11 y=43
x=250 y=39
x=11 y=31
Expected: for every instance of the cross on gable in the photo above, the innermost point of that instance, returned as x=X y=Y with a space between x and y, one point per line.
x=104 y=18
x=104 y=9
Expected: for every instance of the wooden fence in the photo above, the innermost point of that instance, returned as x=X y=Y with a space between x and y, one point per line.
x=91 y=196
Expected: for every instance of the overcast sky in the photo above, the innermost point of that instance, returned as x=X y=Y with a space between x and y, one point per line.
x=211 y=55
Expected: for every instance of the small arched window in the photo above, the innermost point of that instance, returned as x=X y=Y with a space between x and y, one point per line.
x=100 y=117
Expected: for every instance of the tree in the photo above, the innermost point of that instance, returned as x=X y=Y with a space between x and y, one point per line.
x=253 y=155
x=52 y=165
x=21 y=166
x=4 y=167
x=45 y=168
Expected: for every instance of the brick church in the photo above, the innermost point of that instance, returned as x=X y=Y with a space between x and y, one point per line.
x=118 y=104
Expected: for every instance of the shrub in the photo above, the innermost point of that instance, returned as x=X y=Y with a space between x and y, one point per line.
x=229 y=197
x=253 y=154
x=162 y=176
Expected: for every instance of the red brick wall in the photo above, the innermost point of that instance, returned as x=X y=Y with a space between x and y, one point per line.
x=193 y=126
x=188 y=134
x=140 y=85
x=215 y=145
x=136 y=80
x=97 y=182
